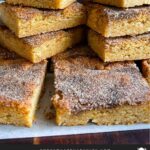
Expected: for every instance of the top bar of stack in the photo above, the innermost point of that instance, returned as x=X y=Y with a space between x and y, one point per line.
x=114 y=22
x=49 y=4
x=119 y=34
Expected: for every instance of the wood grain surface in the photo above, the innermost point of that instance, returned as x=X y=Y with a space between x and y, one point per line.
x=128 y=137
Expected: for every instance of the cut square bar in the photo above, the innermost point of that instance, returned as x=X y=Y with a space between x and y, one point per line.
x=113 y=22
x=21 y=84
x=25 y=21
x=120 y=48
x=88 y=90
x=39 y=47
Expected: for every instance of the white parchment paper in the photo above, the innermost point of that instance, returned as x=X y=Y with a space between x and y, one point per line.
x=44 y=127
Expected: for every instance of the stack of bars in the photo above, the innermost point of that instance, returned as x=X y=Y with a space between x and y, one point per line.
x=119 y=34
x=106 y=87
x=33 y=31
x=37 y=34
x=120 y=31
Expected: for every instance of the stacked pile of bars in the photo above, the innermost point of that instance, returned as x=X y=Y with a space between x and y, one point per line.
x=120 y=30
x=105 y=87
x=30 y=31
x=119 y=34
x=35 y=30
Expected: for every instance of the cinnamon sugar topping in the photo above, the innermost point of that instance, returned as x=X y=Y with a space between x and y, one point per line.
x=18 y=77
x=114 y=13
x=26 y=13
x=86 y=83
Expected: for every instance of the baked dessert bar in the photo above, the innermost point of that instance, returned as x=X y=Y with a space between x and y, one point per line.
x=123 y=3
x=20 y=88
x=40 y=47
x=113 y=22
x=49 y=4
x=89 y=90
x=120 y=48
x=25 y=21
x=146 y=69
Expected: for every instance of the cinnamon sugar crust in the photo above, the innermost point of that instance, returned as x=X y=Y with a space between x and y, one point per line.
x=16 y=79
x=20 y=72
x=83 y=83
x=20 y=86
x=7 y=55
x=114 y=13
x=28 y=13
